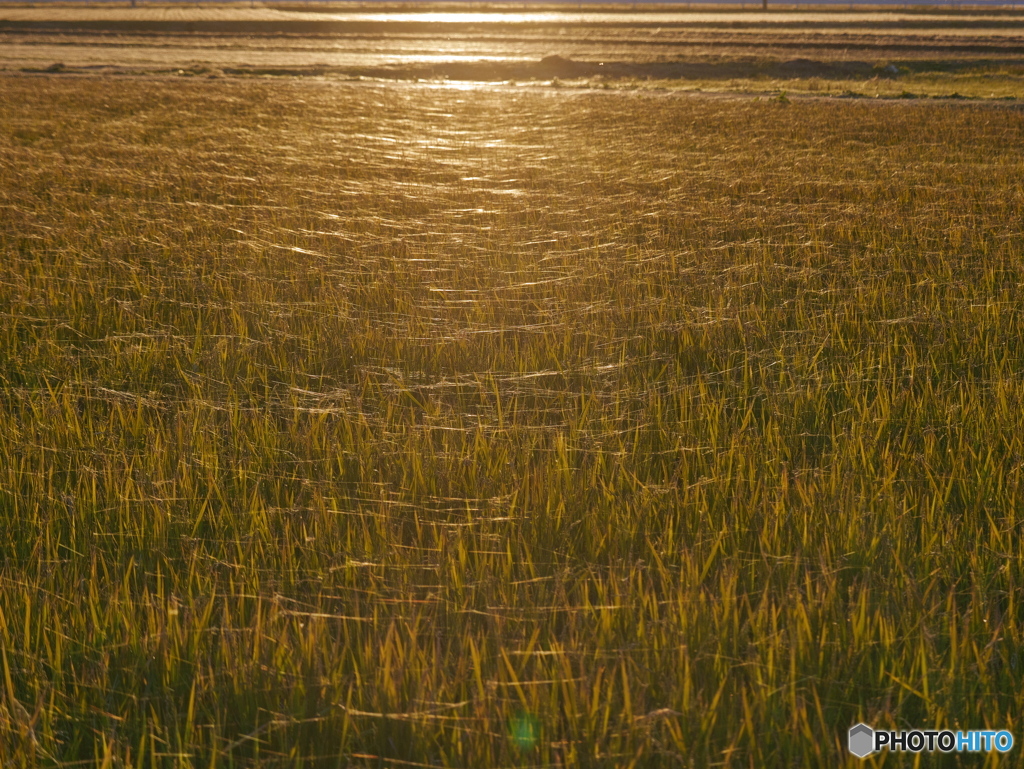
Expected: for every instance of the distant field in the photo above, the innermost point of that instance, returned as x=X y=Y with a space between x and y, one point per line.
x=867 y=53
x=389 y=424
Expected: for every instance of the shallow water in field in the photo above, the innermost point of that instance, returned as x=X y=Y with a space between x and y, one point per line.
x=152 y=38
x=194 y=13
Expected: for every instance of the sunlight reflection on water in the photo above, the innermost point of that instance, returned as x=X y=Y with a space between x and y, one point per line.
x=651 y=17
x=482 y=44
x=432 y=58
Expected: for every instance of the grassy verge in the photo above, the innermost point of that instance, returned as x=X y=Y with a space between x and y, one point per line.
x=361 y=426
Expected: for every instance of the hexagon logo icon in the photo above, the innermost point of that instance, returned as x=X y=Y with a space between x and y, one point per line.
x=862 y=740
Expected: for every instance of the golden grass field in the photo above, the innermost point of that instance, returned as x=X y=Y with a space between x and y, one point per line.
x=402 y=423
